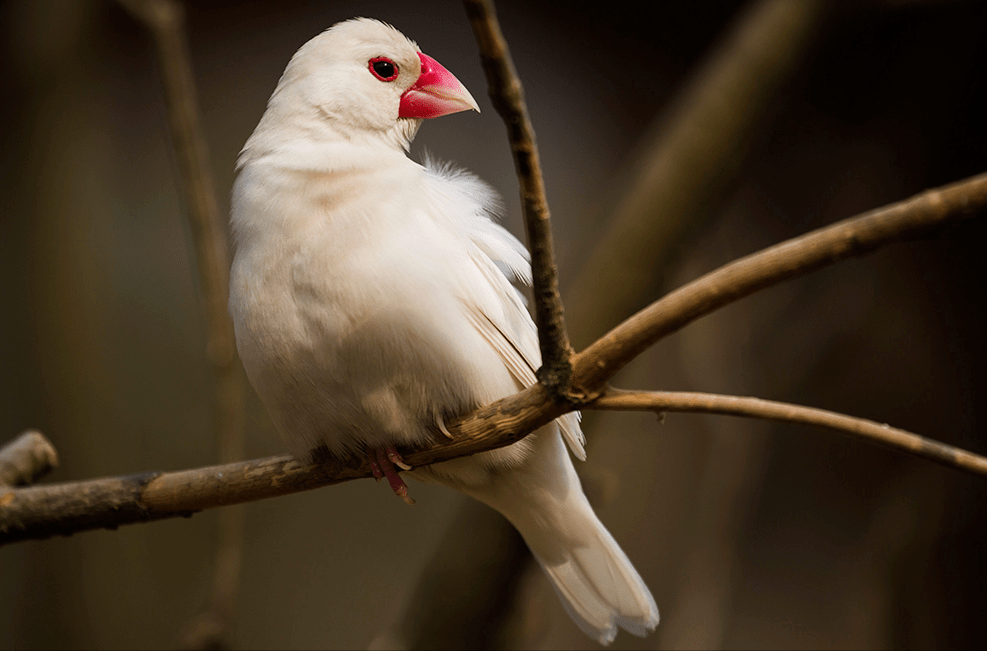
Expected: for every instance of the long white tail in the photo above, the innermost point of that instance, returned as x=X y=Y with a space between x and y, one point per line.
x=544 y=500
x=599 y=587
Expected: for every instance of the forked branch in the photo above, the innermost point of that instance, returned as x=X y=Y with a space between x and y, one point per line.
x=38 y=512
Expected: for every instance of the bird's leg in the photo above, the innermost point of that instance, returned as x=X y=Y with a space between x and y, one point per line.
x=374 y=466
x=382 y=462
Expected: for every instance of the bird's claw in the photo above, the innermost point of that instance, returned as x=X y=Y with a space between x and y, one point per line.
x=395 y=458
x=382 y=464
x=442 y=428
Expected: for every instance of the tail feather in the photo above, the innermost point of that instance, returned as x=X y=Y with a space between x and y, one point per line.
x=596 y=582
x=600 y=589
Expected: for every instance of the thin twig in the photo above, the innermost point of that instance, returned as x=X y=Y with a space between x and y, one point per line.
x=164 y=20
x=39 y=512
x=26 y=459
x=855 y=236
x=860 y=428
x=507 y=96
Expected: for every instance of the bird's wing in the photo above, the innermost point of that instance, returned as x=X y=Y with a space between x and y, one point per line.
x=511 y=332
x=502 y=320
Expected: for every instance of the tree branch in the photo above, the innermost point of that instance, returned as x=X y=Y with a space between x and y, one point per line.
x=687 y=158
x=859 y=428
x=39 y=512
x=26 y=459
x=62 y=509
x=507 y=96
x=855 y=236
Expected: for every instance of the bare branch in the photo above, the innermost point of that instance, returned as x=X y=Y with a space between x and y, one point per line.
x=866 y=430
x=39 y=512
x=855 y=236
x=62 y=509
x=507 y=95
x=688 y=157
x=26 y=459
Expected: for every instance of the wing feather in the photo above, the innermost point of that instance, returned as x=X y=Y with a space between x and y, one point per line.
x=503 y=319
x=515 y=339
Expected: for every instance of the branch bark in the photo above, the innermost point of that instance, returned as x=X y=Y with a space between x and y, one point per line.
x=65 y=508
x=859 y=428
x=507 y=96
x=39 y=512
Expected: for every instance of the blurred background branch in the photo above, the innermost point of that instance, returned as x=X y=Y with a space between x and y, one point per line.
x=165 y=23
x=26 y=459
x=689 y=157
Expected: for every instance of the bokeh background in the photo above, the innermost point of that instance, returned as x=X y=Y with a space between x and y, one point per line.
x=749 y=534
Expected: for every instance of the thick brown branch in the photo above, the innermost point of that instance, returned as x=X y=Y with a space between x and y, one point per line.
x=507 y=95
x=796 y=257
x=62 y=509
x=867 y=430
x=26 y=459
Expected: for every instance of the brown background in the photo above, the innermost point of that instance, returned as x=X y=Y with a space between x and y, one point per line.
x=750 y=535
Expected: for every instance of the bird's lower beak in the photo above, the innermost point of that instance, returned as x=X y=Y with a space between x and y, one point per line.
x=437 y=92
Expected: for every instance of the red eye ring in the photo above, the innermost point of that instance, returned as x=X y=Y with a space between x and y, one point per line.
x=383 y=68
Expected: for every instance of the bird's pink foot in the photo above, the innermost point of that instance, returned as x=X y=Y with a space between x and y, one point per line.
x=382 y=462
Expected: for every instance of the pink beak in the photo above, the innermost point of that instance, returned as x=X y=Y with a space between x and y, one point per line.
x=436 y=93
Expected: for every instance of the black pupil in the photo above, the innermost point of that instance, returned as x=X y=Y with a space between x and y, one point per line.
x=384 y=68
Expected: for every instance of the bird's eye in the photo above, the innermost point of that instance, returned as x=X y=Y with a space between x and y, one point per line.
x=383 y=68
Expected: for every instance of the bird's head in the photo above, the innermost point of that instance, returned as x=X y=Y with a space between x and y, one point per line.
x=363 y=79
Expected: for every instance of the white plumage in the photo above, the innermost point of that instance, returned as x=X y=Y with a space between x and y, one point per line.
x=371 y=303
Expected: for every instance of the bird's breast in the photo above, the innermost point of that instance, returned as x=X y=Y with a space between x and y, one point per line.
x=349 y=318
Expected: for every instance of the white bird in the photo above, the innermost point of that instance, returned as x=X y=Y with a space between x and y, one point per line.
x=371 y=304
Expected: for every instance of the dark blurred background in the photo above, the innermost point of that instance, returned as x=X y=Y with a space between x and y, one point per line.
x=749 y=534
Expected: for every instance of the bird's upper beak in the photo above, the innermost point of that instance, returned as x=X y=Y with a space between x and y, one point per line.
x=436 y=93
